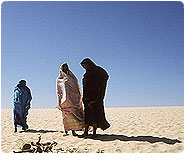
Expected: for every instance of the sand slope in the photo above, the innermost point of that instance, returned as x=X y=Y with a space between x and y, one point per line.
x=133 y=130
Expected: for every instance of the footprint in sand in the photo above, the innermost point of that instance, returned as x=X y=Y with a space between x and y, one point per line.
x=155 y=145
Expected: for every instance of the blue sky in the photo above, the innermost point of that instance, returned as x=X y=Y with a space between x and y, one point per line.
x=140 y=44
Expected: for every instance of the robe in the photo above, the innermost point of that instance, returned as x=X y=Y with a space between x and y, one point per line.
x=21 y=102
x=69 y=93
x=94 y=87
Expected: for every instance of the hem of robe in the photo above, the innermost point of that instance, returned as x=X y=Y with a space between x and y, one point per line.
x=75 y=128
x=98 y=126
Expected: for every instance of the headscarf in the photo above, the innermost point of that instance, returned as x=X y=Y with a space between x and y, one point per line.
x=21 y=83
x=89 y=62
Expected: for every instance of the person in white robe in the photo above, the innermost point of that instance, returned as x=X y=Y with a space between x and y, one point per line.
x=69 y=100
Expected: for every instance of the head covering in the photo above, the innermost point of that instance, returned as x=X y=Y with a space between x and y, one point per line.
x=21 y=83
x=88 y=62
x=64 y=64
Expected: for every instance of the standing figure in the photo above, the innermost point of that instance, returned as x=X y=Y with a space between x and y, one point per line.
x=69 y=100
x=94 y=86
x=21 y=101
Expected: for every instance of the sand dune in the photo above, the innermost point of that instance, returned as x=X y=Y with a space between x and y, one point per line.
x=133 y=130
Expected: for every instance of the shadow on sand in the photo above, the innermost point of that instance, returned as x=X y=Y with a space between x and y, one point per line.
x=151 y=139
x=112 y=137
x=37 y=131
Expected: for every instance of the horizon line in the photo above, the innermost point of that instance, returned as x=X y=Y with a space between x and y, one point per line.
x=112 y=107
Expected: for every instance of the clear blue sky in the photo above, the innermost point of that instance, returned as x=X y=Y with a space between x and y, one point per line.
x=140 y=44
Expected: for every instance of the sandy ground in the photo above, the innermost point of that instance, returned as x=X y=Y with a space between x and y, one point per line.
x=133 y=130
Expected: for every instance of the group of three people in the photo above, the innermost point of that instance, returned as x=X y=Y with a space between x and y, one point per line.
x=70 y=99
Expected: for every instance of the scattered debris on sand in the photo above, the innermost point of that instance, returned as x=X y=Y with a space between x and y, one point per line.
x=37 y=147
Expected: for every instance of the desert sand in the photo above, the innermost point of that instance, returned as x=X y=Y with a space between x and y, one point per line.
x=133 y=130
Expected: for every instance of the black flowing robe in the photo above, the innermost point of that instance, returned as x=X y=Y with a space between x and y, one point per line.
x=94 y=86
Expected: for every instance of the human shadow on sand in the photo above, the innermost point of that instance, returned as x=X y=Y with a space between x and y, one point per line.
x=37 y=131
x=151 y=139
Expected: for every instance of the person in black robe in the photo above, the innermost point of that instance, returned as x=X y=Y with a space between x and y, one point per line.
x=94 y=87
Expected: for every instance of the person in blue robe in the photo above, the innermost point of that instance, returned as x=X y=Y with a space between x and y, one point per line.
x=21 y=104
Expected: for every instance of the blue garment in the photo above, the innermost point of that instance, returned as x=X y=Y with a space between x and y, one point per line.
x=21 y=102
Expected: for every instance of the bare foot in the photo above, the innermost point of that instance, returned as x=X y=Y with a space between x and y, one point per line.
x=66 y=132
x=15 y=129
x=74 y=133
